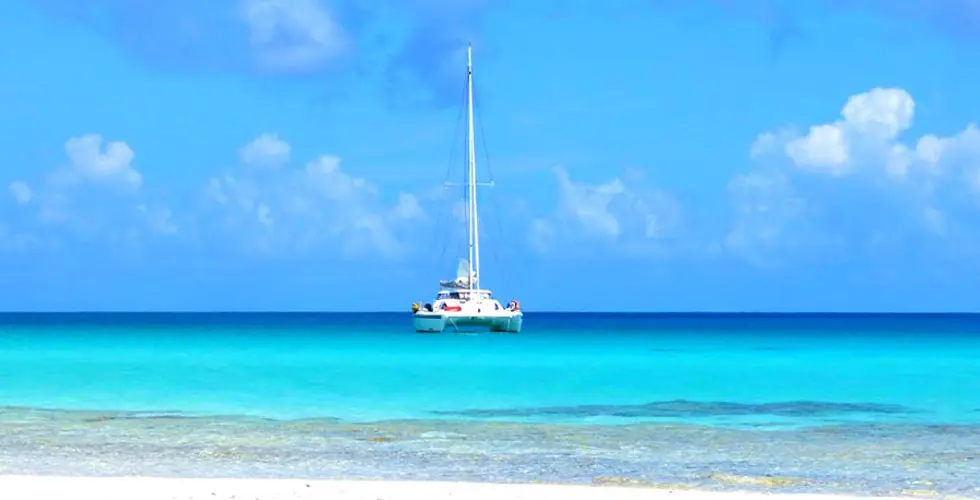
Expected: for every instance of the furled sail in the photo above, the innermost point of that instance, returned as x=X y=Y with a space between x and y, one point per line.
x=462 y=276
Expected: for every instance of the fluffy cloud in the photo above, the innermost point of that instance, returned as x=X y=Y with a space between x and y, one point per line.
x=407 y=208
x=866 y=136
x=266 y=150
x=958 y=152
x=95 y=189
x=867 y=139
x=90 y=162
x=624 y=212
x=320 y=205
x=855 y=175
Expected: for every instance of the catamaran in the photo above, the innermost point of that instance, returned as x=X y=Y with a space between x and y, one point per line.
x=461 y=303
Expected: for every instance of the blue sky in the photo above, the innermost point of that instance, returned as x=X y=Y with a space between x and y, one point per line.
x=758 y=155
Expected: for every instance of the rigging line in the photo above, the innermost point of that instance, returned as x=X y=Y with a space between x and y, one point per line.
x=449 y=165
x=493 y=201
x=461 y=243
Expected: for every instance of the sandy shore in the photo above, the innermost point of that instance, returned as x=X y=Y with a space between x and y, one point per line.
x=143 y=488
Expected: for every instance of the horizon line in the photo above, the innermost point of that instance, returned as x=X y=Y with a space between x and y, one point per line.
x=408 y=313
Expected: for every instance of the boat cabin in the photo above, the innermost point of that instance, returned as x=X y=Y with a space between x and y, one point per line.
x=464 y=298
x=464 y=294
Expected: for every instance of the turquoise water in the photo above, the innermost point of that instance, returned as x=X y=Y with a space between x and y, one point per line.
x=573 y=398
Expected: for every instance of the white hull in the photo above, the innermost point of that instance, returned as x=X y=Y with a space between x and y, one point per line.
x=437 y=322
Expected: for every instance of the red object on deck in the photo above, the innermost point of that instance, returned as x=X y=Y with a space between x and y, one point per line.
x=453 y=308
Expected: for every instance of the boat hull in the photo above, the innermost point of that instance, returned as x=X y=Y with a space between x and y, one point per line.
x=425 y=322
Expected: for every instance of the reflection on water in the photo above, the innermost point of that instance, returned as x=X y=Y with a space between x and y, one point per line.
x=872 y=459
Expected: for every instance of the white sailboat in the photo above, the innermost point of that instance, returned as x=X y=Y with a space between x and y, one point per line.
x=462 y=303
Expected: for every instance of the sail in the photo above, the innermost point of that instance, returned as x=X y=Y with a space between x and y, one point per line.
x=463 y=270
x=462 y=276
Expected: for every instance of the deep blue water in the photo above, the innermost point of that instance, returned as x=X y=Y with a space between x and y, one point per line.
x=785 y=387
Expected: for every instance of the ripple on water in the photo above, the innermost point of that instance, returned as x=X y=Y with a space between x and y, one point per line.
x=866 y=458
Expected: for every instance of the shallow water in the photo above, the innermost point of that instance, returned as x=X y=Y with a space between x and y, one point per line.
x=868 y=459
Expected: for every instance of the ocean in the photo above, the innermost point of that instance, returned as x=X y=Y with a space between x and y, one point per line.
x=874 y=404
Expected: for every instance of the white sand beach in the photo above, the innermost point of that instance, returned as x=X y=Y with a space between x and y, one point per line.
x=154 y=488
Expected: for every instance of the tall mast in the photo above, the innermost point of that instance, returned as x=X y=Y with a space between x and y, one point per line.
x=473 y=228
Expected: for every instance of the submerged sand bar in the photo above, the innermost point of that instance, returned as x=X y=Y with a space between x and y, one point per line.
x=155 y=488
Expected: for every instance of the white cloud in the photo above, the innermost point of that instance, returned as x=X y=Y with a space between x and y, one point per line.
x=623 y=211
x=90 y=162
x=327 y=179
x=880 y=112
x=408 y=207
x=292 y=35
x=868 y=139
x=21 y=192
x=589 y=205
x=266 y=150
x=957 y=152
x=823 y=148
x=866 y=136
x=320 y=205
x=900 y=185
x=97 y=192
